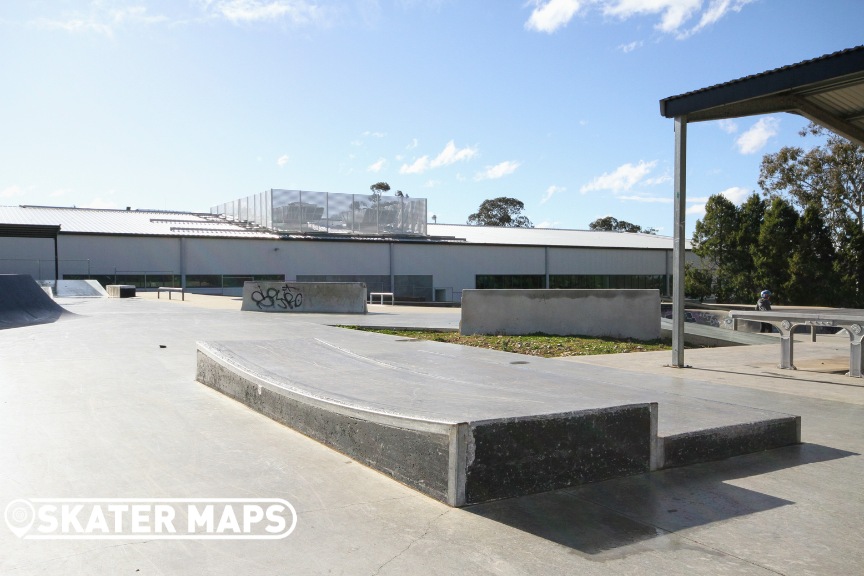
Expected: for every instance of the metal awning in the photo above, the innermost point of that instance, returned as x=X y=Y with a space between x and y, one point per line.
x=828 y=91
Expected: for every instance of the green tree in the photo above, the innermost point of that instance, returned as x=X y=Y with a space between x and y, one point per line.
x=812 y=278
x=501 y=211
x=742 y=275
x=378 y=189
x=715 y=242
x=829 y=176
x=698 y=282
x=849 y=267
x=610 y=224
x=776 y=244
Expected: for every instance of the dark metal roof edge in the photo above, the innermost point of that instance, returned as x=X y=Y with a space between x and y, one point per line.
x=809 y=72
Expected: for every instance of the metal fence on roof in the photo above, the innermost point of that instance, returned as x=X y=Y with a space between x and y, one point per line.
x=303 y=211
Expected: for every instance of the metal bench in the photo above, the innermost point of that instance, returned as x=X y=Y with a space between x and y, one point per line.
x=169 y=290
x=381 y=295
x=785 y=321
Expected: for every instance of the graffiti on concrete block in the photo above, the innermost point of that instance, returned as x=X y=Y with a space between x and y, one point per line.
x=284 y=297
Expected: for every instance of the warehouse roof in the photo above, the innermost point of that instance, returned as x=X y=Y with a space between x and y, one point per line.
x=550 y=237
x=134 y=222
x=192 y=224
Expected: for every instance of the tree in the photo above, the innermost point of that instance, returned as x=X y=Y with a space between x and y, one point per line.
x=776 y=244
x=743 y=278
x=812 y=279
x=610 y=224
x=378 y=189
x=830 y=176
x=714 y=241
x=501 y=211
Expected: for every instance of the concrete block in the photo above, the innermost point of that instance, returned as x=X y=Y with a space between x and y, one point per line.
x=610 y=313
x=120 y=290
x=298 y=297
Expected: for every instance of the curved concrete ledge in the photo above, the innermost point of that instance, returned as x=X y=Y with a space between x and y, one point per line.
x=457 y=462
x=466 y=426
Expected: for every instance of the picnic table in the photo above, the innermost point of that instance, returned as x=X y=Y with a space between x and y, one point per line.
x=785 y=320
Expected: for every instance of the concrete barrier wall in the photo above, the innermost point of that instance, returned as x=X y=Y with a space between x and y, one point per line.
x=298 y=297
x=612 y=313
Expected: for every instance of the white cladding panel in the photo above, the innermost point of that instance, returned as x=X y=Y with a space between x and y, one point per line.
x=456 y=266
x=607 y=261
x=335 y=258
x=119 y=254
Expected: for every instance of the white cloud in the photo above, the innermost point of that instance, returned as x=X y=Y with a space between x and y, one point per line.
x=497 y=171
x=629 y=47
x=414 y=143
x=100 y=21
x=736 y=194
x=674 y=15
x=244 y=11
x=728 y=126
x=548 y=224
x=283 y=160
x=622 y=178
x=551 y=191
x=59 y=192
x=756 y=137
x=449 y=155
x=100 y=202
x=551 y=15
x=646 y=199
x=374 y=134
x=11 y=192
x=377 y=166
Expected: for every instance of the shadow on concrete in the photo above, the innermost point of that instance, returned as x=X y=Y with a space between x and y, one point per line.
x=606 y=517
x=854 y=382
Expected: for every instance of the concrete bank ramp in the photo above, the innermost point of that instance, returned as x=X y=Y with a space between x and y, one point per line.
x=466 y=426
x=24 y=303
x=79 y=289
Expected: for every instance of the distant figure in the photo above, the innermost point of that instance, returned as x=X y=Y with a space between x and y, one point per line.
x=764 y=305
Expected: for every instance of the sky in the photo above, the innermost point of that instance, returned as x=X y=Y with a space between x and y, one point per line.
x=186 y=104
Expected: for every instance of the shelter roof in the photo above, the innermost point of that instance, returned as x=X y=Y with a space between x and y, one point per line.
x=828 y=90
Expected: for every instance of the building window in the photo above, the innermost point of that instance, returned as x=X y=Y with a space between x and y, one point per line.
x=509 y=281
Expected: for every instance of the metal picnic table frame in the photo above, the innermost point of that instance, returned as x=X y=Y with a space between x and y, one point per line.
x=785 y=321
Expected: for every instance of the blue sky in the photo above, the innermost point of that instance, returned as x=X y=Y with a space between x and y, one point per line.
x=184 y=104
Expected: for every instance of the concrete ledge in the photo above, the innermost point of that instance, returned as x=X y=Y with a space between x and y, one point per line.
x=727 y=441
x=298 y=297
x=120 y=291
x=611 y=313
x=457 y=463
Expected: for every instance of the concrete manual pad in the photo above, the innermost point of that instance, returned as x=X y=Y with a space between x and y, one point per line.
x=467 y=426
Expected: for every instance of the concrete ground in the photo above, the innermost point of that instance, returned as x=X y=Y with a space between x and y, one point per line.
x=105 y=405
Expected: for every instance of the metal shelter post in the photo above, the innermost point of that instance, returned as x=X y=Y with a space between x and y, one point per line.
x=679 y=245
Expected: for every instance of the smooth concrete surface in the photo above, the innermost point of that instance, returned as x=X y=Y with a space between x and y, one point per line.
x=305 y=297
x=24 y=303
x=612 y=313
x=85 y=414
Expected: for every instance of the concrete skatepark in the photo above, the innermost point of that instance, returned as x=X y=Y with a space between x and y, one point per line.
x=108 y=405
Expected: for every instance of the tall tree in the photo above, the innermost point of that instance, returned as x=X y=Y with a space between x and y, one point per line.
x=378 y=189
x=610 y=224
x=775 y=246
x=714 y=241
x=743 y=278
x=501 y=211
x=830 y=176
x=849 y=266
x=811 y=267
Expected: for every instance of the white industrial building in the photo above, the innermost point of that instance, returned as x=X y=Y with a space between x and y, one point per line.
x=217 y=252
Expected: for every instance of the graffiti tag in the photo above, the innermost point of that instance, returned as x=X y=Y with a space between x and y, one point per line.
x=284 y=297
